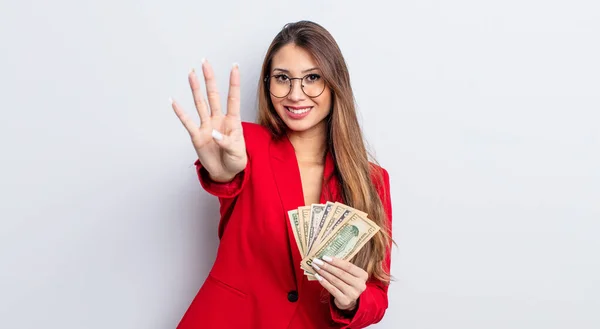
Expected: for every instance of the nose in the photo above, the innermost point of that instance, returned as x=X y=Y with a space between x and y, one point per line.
x=296 y=94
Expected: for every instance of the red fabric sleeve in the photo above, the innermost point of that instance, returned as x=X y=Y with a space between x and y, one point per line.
x=222 y=190
x=226 y=192
x=373 y=302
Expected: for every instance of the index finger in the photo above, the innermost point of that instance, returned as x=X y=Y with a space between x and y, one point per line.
x=233 y=99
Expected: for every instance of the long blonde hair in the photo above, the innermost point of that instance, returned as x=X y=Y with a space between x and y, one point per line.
x=345 y=142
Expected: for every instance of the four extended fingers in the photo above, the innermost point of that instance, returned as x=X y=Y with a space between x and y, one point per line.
x=341 y=273
x=233 y=103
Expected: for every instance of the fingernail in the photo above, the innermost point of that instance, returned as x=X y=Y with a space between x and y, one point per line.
x=314 y=265
x=236 y=65
x=171 y=100
x=318 y=261
x=203 y=60
x=193 y=70
x=318 y=277
x=327 y=258
x=217 y=135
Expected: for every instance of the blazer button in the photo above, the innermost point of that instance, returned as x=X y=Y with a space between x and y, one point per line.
x=293 y=296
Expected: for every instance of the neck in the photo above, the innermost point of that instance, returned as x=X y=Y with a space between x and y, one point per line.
x=310 y=145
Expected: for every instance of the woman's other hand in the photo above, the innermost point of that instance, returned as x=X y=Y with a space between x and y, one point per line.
x=344 y=280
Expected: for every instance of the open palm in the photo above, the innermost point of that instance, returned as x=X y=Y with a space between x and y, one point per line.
x=219 y=140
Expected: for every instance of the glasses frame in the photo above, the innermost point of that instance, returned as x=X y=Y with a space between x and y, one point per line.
x=267 y=80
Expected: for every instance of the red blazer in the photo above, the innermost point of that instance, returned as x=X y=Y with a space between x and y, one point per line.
x=256 y=281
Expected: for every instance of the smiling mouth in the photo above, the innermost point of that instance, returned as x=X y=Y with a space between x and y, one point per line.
x=299 y=110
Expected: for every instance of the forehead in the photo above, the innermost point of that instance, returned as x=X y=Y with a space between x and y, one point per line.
x=293 y=58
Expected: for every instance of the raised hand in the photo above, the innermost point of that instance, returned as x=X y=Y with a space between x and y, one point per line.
x=219 y=140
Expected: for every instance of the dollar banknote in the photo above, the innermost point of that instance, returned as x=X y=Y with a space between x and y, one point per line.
x=305 y=221
x=304 y=217
x=319 y=215
x=335 y=217
x=316 y=217
x=296 y=226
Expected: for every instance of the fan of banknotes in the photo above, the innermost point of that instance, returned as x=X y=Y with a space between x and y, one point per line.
x=331 y=229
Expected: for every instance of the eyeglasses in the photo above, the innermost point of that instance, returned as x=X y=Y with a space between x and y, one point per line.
x=280 y=85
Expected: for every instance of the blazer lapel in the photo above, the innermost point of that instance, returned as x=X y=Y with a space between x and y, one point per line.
x=284 y=167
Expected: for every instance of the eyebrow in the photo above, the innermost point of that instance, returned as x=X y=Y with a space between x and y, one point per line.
x=286 y=71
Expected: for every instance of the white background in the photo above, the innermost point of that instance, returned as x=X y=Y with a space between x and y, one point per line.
x=485 y=113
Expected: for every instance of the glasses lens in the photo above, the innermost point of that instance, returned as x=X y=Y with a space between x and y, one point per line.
x=313 y=85
x=279 y=85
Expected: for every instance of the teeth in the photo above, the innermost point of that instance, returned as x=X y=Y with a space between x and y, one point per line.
x=304 y=110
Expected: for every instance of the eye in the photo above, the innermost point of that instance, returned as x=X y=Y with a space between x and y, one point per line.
x=313 y=77
x=281 y=78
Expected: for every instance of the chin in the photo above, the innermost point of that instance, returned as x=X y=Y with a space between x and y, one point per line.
x=300 y=126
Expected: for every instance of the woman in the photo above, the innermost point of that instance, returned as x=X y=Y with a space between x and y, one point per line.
x=306 y=148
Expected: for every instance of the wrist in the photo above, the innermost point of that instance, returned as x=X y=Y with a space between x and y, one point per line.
x=223 y=178
x=347 y=308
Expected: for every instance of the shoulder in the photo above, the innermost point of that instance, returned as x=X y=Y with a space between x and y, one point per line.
x=381 y=180
x=255 y=135
x=380 y=176
x=254 y=130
